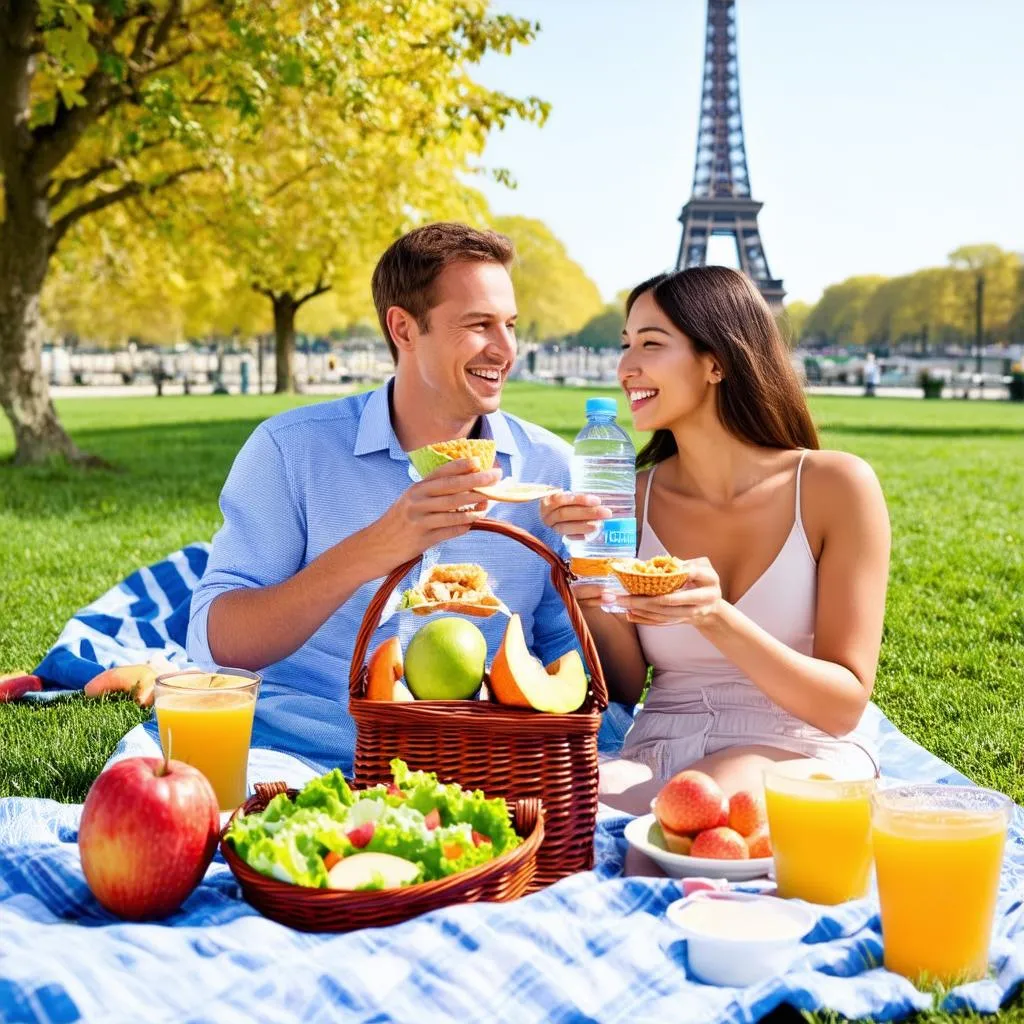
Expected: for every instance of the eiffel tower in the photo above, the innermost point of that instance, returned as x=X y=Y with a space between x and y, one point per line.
x=721 y=203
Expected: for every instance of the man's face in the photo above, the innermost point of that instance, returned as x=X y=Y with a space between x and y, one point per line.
x=465 y=355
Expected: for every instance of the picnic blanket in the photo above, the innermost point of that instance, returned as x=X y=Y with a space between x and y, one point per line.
x=594 y=947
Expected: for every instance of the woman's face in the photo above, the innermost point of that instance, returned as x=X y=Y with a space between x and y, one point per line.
x=664 y=377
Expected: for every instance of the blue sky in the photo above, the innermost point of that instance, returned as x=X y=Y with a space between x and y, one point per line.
x=880 y=134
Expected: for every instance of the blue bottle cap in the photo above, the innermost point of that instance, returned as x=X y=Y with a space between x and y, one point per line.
x=602 y=407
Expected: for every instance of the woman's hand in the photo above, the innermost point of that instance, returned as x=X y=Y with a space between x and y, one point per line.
x=573 y=515
x=589 y=596
x=698 y=602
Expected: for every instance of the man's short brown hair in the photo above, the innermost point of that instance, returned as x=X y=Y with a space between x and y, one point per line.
x=405 y=274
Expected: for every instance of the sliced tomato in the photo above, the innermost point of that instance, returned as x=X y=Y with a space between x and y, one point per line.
x=393 y=790
x=361 y=835
x=330 y=859
x=479 y=838
x=432 y=819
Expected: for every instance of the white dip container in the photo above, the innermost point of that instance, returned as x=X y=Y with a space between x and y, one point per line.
x=738 y=939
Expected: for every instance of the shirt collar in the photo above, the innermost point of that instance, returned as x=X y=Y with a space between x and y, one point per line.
x=376 y=433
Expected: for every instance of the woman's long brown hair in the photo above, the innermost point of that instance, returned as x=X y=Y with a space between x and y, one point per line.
x=759 y=398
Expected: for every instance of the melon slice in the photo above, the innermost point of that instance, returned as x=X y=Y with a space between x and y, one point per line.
x=514 y=491
x=428 y=458
x=384 y=673
x=383 y=870
x=519 y=679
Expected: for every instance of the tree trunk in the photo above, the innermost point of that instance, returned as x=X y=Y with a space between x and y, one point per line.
x=285 y=306
x=24 y=388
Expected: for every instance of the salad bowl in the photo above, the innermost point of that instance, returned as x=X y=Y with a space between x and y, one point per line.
x=306 y=907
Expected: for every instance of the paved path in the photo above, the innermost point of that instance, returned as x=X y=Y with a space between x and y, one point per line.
x=149 y=391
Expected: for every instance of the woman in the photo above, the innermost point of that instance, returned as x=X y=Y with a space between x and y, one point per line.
x=769 y=652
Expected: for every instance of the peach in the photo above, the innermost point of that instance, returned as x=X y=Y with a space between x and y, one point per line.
x=137 y=680
x=759 y=844
x=676 y=842
x=746 y=812
x=720 y=844
x=691 y=802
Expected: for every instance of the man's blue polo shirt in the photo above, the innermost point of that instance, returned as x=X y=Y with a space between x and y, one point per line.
x=312 y=476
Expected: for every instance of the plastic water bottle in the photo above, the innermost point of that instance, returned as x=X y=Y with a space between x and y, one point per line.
x=604 y=463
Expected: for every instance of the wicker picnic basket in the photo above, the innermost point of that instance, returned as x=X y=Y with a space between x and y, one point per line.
x=331 y=910
x=505 y=751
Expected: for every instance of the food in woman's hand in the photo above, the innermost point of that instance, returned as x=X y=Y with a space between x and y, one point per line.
x=461 y=588
x=479 y=450
x=661 y=574
x=412 y=830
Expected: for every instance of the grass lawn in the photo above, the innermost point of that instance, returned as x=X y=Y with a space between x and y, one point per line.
x=952 y=670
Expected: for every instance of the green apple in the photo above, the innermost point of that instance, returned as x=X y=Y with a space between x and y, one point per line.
x=445 y=660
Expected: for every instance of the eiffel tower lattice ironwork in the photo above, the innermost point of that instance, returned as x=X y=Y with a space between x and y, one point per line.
x=721 y=203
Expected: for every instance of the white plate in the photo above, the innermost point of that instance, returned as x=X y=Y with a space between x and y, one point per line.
x=677 y=865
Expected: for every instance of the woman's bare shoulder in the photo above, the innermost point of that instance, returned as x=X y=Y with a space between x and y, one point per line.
x=836 y=482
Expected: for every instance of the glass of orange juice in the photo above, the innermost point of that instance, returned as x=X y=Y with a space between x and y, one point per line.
x=938 y=853
x=820 y=824
x=205 y=719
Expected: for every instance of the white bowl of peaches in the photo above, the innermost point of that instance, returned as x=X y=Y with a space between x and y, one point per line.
x=695 y=830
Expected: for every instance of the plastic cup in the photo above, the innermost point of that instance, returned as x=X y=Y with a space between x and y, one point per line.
x=205 y=719
x=819 y=818
x=938 y=853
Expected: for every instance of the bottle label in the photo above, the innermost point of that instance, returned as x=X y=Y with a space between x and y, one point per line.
x=618 y=533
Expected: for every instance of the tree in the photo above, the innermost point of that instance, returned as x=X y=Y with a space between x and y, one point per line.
x=1000 y=273
x=605 y=329
x=554 y=295
x=837 y=316
x=120 y=101
x=793 y=320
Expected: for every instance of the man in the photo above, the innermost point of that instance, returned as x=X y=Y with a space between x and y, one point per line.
x=322 y=502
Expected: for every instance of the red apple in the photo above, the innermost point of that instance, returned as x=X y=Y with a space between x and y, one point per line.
x=149 y=830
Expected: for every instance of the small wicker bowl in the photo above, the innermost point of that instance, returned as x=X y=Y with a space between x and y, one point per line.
x=332 y=910
x=649 y=584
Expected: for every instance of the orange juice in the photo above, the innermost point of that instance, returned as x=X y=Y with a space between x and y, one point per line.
x=206 y=721
x=938 y=852
x=821 y=833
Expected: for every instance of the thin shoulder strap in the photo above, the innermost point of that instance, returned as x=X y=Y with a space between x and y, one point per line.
x=799 y=472
x=647 y=493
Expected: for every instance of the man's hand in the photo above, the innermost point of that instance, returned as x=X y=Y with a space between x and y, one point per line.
x=436 y=509
x=253 y=628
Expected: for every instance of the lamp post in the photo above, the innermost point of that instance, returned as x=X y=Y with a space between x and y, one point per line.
x=979 y=317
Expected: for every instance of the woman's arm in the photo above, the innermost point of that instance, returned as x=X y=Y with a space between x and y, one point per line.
x=618 y=647
x=830 y=689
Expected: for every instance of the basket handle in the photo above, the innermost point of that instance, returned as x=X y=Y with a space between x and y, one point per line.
x=561 y=577
x=525 y=814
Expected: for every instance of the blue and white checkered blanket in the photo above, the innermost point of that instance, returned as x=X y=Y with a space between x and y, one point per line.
x=596 y=946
